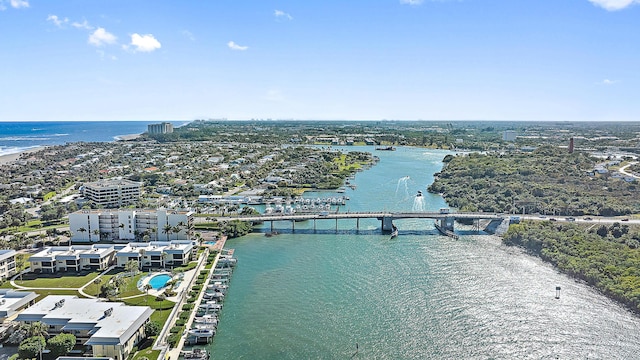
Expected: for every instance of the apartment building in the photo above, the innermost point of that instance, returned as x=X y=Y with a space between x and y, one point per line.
x=111 y=329
x=7 y=263
x=162 y=128
x=157 y=253
x=130 y=225
x=96 y=257
x=112 y=193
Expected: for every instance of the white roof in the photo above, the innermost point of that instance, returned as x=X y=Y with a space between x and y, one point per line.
x=114 y=328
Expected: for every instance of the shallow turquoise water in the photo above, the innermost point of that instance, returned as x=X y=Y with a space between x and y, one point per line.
x=308 y=294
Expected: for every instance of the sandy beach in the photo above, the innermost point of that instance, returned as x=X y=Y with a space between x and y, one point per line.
x=8 y=158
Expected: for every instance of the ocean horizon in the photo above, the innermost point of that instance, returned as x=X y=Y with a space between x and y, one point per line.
x=19 y=136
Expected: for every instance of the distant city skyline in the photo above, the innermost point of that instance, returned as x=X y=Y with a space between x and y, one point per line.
x=353 y=60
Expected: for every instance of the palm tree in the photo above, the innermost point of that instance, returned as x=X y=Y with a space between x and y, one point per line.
x=167 y=229
x=199 y=239
x=179 y=226
x=146 y=288
x=97 y=281
x=96 y=232
x=190 y=228
x=37 y=329
x=82 y=230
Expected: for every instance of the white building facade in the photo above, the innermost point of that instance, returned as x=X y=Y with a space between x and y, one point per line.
x=111 y=329
x=157 y=254
x=75 y=258
x=7 y=263
x=130 y=225
x=112 y=193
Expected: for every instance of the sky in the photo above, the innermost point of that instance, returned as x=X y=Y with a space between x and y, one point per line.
x=548 y=60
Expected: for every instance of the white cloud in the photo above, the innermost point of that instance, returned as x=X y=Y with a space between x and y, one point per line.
x=613 y=5
x=17 y=4
x=145 y=43
x=233 y=46
x=57 y=21
x=188 y=34
x=101 y=37
x=83 y=25
x=411 y=2
x=609 y=82
x=282 y=14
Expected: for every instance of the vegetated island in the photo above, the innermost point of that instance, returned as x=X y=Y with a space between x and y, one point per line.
x=550 y=180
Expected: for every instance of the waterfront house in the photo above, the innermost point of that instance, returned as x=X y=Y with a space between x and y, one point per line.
x=109 y=329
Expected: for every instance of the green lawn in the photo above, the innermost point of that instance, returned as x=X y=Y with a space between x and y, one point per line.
x=147 y=353
x=93 y=289
x=58 y=280
x=130 y=287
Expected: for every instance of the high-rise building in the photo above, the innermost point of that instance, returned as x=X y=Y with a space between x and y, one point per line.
x=509 y=135
x=162 y=128
x=571 y=146
x=129 y=225
x=112 y=193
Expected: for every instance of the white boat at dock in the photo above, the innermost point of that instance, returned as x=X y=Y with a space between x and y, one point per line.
x=206 y=319
x=200 y=333
x=195 y=354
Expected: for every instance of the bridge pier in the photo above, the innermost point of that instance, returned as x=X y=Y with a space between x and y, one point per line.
x=446 y=223
x=387 y=224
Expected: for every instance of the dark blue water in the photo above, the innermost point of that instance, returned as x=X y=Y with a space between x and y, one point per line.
x=19 y=136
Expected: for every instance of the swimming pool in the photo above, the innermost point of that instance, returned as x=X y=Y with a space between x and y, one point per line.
x=210 y=243
x=159 y=281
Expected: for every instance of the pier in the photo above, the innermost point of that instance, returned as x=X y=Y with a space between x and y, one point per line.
x=444 y=221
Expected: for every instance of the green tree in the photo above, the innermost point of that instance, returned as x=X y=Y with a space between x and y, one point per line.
x=37 y=329
x=61 y=344
x=97 y=282
x=152 y=328
x=31 y=347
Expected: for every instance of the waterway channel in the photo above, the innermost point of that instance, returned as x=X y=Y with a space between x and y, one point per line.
x=318 y=294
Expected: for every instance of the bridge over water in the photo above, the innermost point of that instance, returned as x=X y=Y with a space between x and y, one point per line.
x=444 y=221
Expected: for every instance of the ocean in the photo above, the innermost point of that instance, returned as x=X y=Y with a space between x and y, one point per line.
x=16 y=137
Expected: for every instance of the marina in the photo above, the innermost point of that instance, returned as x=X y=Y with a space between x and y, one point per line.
x=470 y=298
x=205 y=323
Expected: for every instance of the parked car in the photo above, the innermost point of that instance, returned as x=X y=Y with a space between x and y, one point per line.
x=587 y=219
x=625 y=219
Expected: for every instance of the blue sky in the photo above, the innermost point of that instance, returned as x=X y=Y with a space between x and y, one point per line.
x=376 y=59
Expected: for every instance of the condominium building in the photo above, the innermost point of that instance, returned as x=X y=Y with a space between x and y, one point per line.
x=96 y=257
x=162 y=128
x=111 y=329
x=12 y=301
x=112 y=193
x=509 y=135
x=7 y=263
x=156 y=253
x=130 y=225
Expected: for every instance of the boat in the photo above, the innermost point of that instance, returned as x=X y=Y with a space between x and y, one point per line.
x=394 y=233
x=196 y=354
x=419 y=193
x=206 y=319
x=386 y=148
x=202 y=332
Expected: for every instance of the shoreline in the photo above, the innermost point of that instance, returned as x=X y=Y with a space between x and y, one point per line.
x=12 y=157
